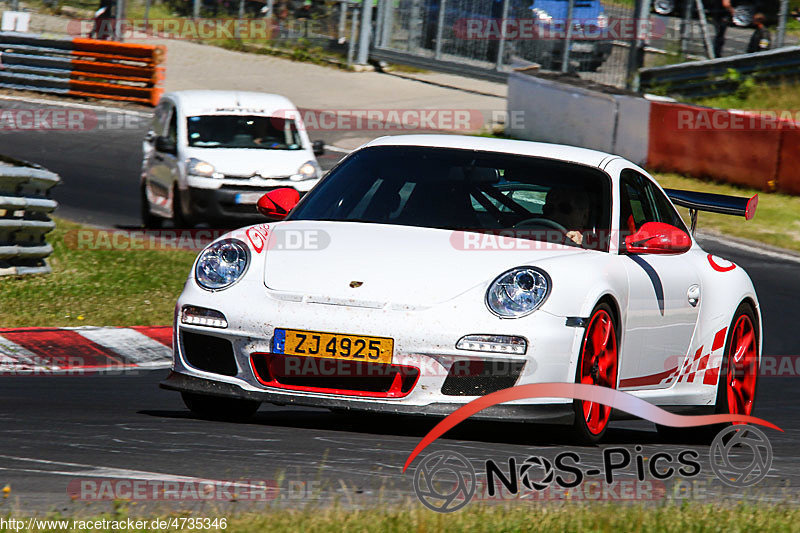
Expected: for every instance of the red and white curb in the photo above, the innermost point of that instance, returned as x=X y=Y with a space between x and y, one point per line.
x=60 y=350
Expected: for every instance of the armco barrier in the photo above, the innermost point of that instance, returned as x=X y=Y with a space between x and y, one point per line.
x=24 y=217
x=711 y=77
x=683 y=140
x=82 y=67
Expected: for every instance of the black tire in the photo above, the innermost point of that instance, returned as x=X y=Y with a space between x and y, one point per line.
x=219 y=408
x=706 y=434
x=594 y=65
x=664 y=7
x=743 y=15
x=580 y=427
x=149 y=220
x=180 y=219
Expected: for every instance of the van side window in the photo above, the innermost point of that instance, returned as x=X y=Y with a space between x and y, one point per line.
x=160 y=116
x=172 y=131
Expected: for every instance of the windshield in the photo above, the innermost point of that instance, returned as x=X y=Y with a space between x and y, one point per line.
x=465 y=190
x=243 y=131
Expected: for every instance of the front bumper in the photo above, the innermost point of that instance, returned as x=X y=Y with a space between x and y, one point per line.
x=221 y=205
x=544 y=414
x=424 y=341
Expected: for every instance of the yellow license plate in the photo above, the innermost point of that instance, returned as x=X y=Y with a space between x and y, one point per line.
x=333 y=345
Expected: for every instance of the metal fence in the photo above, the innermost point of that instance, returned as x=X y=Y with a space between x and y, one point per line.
x=606 y=41
x=25 y=207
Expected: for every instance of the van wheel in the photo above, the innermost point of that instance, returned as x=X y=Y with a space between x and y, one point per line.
x=149 y=220
x=179 y=218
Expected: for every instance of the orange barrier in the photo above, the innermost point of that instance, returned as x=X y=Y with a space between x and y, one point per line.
x=153 y=74
x=83 y=67
x=147 y=52
x=714 y=143
x=111 y=91
x=117 y=71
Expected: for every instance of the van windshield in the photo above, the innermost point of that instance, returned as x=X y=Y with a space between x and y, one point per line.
x=243 y=131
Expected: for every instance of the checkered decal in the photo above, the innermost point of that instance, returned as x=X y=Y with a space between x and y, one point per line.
x=697 y=368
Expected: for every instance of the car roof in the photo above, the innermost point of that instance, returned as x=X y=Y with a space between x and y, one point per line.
x=559 y=152
x=217 y=102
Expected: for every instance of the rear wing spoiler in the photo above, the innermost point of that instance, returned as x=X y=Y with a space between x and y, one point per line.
x=713 y=203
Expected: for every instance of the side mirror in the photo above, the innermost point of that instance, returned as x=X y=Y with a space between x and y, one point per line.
x=658 y=238
x=318 y=147
x=165 y=145
x=277 y=203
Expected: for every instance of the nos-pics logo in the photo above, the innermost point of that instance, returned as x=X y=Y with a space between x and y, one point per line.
x=446 y=481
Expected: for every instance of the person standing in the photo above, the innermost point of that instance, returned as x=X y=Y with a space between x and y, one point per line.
x=104 y=21
x=721 y=15
x=761 y=39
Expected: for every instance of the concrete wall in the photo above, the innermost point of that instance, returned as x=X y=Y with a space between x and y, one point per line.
x=563 y=114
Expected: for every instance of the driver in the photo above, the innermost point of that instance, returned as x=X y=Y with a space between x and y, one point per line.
x=570 y=208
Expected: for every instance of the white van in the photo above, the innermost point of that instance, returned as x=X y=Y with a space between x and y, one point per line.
x=210 y=155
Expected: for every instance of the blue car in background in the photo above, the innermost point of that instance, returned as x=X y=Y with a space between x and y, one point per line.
x=589 y=48
x=590 y=45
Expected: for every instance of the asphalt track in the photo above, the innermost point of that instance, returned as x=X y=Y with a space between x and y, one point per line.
x=55 y=430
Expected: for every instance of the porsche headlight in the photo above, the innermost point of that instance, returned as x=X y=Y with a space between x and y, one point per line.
x=221 y=264
x=518 y=292
x=309 y=170
x=196 y=167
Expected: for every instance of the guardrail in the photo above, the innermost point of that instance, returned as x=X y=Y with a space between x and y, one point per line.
x=82 y=67
x=712 y=77
x=25 y=217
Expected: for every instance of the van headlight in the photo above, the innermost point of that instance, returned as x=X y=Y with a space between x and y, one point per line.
x=518 y=292
x=221 y=264
x=197 y=167
x=307 y=171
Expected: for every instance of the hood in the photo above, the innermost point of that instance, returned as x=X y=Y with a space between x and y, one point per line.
x=397 y=266
x=247 y=161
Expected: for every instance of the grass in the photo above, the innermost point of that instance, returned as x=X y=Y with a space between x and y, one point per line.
x=599 y=518
x=763 y=97
x=96 y=287
x=777 y=220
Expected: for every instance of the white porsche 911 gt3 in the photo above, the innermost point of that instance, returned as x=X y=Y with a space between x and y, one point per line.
x=425 y=271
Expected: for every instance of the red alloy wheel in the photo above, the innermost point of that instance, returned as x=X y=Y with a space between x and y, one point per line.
x=742 y=367
x=599 y=367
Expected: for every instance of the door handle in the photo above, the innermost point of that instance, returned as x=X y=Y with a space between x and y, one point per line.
x=693 y=295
